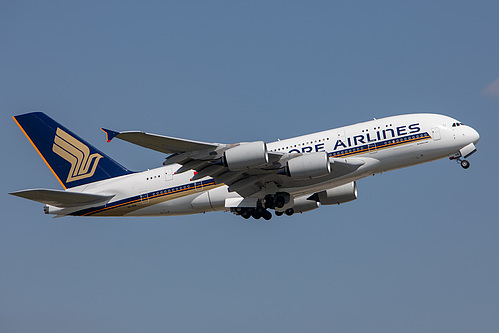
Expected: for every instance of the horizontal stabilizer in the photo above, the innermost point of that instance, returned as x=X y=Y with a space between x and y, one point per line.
x=63 y=199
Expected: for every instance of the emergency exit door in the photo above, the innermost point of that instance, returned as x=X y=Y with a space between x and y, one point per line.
x=435 y=133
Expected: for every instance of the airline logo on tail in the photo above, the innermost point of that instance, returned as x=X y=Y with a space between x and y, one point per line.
x=83 y=164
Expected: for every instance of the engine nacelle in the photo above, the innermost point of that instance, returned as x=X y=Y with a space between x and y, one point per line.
x=337 y=195
x=302 y=205
x=246 y=156
x=309 y=166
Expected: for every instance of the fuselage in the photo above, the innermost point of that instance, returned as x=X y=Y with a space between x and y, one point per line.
x=382 y=144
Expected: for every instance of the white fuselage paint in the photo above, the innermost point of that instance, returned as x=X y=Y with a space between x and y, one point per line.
x=165 y=193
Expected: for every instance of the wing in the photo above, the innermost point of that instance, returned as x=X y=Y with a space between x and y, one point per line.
x=164 y=144
x=62 y=199
x=247 y=167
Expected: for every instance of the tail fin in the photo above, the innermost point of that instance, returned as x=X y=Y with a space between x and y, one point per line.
x=73 y=161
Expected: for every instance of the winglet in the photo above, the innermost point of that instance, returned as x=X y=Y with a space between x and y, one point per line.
x=110 y=134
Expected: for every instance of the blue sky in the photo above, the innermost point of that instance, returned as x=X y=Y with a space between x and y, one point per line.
x=416 y=252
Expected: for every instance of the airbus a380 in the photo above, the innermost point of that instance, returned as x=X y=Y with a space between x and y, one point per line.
x=249 y=179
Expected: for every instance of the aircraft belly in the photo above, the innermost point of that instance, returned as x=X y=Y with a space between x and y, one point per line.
x=302 y=187
x=413 y=154
x=156 y=204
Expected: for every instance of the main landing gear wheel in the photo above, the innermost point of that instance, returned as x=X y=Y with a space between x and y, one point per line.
x=257 y=215
x=465 y=164
x=279 y=213
x=280 y=201
x=246 y=214
x=269 y=202
x=267 y=215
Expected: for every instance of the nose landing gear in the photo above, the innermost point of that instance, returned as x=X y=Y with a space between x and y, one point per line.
x=464 y=163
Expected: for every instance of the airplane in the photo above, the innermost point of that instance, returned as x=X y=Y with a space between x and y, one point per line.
x=249 y=179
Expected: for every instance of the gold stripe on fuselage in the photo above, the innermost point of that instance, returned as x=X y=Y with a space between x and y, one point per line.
x=384 y=146
x=162 y=196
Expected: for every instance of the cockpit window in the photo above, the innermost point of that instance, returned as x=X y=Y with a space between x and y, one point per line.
x=457 y=124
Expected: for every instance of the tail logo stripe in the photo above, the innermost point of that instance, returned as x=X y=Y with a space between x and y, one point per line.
x=83 y=164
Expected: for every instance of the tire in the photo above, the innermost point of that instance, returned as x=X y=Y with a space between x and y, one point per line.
x=269 y=202
x=267 y=215
x=465 y=164
x=256 y=215
x=279 y=213
x=290 y=211
x=245 y=214
x=280 y=202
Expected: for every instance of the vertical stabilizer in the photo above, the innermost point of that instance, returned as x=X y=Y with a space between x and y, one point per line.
x=73 y=161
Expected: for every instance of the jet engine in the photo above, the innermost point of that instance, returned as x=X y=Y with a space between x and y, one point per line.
x=309 y=166
x=302 y=205
x=246 y=156
x=337 y=195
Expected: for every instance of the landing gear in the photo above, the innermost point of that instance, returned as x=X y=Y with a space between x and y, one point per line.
x=256 y=213
x=271 y=201
x=245 y=213
x=267 y=215
x=280 y=201
x=288 y=212
x=465 y=164
x=260 y=212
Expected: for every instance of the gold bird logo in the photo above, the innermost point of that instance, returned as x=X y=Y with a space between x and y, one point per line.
x=83 y=164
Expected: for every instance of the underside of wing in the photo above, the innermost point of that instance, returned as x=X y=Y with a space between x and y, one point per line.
x=62 y=199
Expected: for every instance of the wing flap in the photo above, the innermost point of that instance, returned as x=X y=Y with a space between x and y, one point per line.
x=62 y=199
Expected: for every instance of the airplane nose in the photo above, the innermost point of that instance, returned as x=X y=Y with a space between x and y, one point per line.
x=474 y=135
